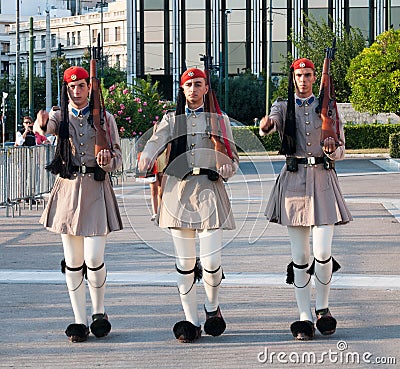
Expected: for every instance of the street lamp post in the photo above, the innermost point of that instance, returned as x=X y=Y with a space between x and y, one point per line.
x=17 y=72
x=269 y=54
x=3 y=116
x=226 y=74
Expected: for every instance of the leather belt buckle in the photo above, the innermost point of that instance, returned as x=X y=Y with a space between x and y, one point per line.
x=196 y=171
x=311 y=160
x=83 y=169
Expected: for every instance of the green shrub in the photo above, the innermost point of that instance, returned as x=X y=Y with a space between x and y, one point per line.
x=361 y=136
x=394 y=145
x=369 y=136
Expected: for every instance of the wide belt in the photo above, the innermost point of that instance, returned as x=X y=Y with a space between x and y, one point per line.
x=83 y=169
x=200 y=171
x=310 y=160
x=211 y=174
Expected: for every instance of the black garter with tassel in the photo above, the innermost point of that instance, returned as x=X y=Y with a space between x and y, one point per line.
x=335 y=265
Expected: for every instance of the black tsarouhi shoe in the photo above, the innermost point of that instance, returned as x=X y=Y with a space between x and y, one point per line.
x=77 y=332
x=215 y=324
x=100 y=326
x=186 y=332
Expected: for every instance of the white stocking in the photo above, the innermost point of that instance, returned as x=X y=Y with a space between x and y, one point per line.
x=322 y=241
x=94 y=258
x=73 y=254
x=185 y=258
x=299 y=240
x=210 y=257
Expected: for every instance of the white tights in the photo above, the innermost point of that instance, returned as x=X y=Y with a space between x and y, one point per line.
x=210 y=258
x=321 y=243
x=77 y=250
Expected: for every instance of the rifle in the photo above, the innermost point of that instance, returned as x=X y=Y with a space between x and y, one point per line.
x=327 y=100
x=217 y=127
x=101 y=142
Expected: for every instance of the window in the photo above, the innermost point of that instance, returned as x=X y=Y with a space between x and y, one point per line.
x=117 y=36
x=43 y=41
x=78 y=37
x=106 y=35
x=94 y=36
x=53 y=40
x=68 y=39
x=43 y=71
x=73 y=38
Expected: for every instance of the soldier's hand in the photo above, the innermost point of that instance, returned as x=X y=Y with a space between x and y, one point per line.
x=103 y=157
x=226 y=171
x=329 y=145
x=144 y=164
x=266 y=124
x=42 y=119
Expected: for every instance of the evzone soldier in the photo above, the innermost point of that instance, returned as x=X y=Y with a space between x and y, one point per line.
x=306 y=197
x=194 y=201
x=82 y=206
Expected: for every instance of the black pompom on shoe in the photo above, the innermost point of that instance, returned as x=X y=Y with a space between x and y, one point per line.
x=326 y=323
x=303 y=330
x=186 y=332
x=100 y=326
x=77 y=332
x=215 y=324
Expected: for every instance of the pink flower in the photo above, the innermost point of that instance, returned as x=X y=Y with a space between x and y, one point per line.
x=137 y=99
x=120 y=112
x=128 y=119
x=140 y=110
x=112 y=88
x=157 y=117
x=134 y=133
x=145 y=103
x=122 y=106
x=125 y=92
x=122 y=129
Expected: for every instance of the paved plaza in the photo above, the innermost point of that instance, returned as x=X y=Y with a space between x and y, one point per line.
x=143 y=303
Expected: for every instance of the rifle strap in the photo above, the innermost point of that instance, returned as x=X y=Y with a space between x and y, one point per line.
x=333 y=95
x=222 y=126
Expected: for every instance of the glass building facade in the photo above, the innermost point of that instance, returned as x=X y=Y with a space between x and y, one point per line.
x=240 y=30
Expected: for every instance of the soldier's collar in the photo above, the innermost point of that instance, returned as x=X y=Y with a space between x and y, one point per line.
x=305 y=101
x=80 y=112
x=194 y=112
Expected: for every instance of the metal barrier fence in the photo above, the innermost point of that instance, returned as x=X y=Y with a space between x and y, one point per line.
x=24 y=179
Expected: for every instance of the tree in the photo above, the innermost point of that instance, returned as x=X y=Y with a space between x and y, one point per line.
x=110 y=75
x=374 y=76
x=312 y=44
x=135 y=108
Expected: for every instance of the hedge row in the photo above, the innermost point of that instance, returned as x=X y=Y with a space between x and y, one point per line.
x=362 y=136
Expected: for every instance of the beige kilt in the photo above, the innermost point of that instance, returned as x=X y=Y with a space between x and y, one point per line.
x=195 y=203
x=308 y=197
x=82 y=206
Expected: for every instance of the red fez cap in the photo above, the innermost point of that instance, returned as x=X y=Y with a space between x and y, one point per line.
x=302 y=63
x=75 y=74
x=192 y=73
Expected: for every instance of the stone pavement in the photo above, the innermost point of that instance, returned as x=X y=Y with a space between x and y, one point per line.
x=143 y=303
